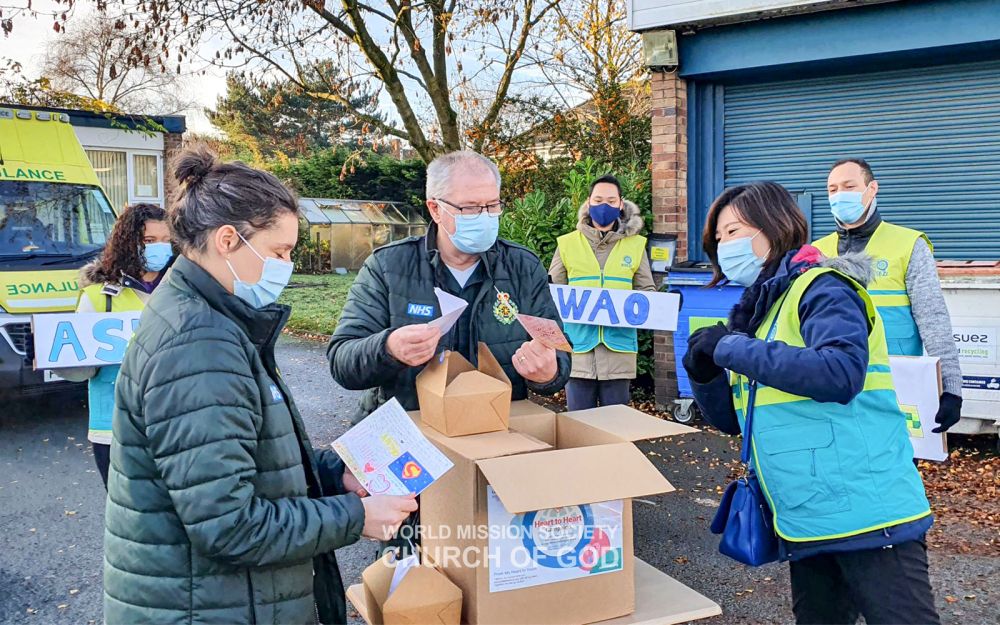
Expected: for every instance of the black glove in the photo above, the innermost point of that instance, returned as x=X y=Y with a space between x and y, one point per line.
x=949 y=412
x=699 y=361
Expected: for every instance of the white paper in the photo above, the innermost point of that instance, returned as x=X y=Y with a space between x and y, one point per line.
x=451 y=309
x=402 y=568
x=389 y=455
x=916 y=383
x=553 y=545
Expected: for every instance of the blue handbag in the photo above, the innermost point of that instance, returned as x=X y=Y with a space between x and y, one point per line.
x=744 y=518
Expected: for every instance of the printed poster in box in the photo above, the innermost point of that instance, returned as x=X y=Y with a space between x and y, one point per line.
x=553 y=544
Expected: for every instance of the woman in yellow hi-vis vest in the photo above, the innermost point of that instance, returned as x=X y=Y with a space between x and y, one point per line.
x=606 y=251
x=803 y=361
x=121 y=280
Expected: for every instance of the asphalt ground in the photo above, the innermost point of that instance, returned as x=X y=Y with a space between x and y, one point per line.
x=52 y=506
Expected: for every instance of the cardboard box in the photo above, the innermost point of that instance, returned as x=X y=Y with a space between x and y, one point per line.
x=565 y=466
x=659 y=600
x=458 y=399
x=425 y=596
x=530 y=418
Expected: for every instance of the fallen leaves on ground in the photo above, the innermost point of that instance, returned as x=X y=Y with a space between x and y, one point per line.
x=963 y=492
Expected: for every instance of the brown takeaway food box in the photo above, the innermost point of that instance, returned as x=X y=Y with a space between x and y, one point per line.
x=458 y=399
x=424 y=596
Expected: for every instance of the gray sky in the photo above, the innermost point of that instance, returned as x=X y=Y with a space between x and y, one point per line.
x=27 y=46
x=27 y=43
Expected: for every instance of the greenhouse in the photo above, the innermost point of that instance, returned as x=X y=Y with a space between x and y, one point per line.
x=349 y=230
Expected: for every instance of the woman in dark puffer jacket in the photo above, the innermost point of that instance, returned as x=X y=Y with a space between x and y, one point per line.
x=219 y=510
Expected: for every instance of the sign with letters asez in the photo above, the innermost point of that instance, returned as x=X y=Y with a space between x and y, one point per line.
x=82 y=339
x=645 y=310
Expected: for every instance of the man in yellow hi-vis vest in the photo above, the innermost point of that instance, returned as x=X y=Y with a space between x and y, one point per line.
x=606 y=251
x=906 y=288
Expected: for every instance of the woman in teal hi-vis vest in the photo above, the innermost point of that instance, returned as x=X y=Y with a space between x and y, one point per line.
x=805 y=351
x=121 y=280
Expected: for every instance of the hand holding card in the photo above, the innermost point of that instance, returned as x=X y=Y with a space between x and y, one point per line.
x=545 y=331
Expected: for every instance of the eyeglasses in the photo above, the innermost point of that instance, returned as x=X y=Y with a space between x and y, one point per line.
x=494 y=209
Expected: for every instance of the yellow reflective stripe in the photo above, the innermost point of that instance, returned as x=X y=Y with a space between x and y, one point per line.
x=879 y=382
x=889 y=301
x=769 y=396
x=863 y=530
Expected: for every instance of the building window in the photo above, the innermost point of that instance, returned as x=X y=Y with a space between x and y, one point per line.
x=111 y=168
x=145 y=173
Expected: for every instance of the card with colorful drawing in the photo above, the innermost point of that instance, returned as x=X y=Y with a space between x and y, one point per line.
x=389 y=455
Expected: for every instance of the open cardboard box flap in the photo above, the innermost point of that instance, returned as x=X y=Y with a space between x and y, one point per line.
x=628 y=423
x=600 y=473
x=489 y=365
x=480 y=446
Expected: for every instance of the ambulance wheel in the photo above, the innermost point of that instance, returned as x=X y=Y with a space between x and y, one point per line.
x=684 y=413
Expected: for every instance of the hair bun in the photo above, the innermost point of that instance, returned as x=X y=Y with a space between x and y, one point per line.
x=193 y=164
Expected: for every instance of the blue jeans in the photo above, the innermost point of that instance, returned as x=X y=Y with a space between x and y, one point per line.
x=582 y=393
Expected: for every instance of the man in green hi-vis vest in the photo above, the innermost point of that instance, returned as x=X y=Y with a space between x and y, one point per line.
x=605 y=251
x=906 y=288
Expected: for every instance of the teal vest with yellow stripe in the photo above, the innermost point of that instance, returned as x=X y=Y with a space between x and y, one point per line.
x=831 y=470
x=891 y=246
x=582 y=269
x=101 y=388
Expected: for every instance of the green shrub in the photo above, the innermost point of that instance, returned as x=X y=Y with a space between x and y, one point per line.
x=343 y=174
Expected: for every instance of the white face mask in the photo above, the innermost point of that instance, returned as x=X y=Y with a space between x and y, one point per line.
x=273 y=279
x=738 y=261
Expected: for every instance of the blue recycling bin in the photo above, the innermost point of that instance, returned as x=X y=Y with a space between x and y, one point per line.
x=700 y=307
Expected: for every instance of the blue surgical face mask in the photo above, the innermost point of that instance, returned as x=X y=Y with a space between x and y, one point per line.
x=847 y=207
x=157 y=255
x=475 y=235
x=273 y=279
x=605 y=214
x=738 y=261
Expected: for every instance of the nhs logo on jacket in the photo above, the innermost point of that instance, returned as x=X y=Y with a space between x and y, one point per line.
x=420 y=310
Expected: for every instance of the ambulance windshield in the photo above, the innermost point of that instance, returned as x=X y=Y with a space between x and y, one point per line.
x=39 y=219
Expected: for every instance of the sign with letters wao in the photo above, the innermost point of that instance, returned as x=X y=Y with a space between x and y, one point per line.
x=82 y=339
x=646 y=310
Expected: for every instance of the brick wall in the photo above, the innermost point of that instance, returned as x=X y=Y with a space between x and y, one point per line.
x=669 y=118
x=172 y=145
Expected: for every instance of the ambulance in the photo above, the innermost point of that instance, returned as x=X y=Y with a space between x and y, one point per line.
x=54 y=218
